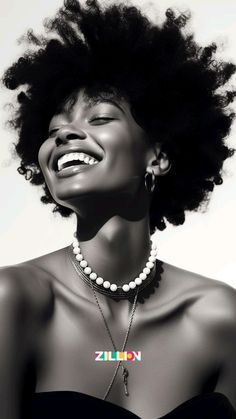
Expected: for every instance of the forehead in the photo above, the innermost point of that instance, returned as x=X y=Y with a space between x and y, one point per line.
x=88 y=99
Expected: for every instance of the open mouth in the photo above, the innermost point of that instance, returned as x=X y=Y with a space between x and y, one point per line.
x=74 y=159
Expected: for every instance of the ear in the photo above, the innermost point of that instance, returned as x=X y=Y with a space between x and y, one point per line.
x=157 y=161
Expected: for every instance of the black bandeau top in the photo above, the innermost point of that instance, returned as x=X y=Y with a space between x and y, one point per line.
x=75 y=405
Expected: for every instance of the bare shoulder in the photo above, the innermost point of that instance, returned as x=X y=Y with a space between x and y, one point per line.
x=25 y=286
x=217 y=308
x=214 y=301
x=25 y=306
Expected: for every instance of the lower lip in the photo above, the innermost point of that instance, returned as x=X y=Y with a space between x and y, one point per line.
x=72 y=170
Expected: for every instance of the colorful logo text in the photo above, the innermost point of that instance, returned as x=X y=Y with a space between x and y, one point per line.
x=118 y=356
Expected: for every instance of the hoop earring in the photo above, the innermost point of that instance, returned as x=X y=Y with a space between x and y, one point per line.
x=150 y=189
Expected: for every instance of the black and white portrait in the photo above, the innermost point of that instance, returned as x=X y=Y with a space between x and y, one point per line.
x=118 y=200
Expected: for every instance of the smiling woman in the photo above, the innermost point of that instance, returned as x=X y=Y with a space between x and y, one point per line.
x=125 y=129
x=106 y=132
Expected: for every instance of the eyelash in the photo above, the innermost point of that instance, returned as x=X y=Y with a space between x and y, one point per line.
x=98 y=118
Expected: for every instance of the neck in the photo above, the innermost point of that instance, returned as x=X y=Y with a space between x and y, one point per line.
x=117 y=246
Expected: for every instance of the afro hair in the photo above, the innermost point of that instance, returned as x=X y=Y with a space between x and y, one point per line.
x=175 y=88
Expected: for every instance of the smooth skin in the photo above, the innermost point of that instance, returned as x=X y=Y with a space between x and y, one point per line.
x=50 y=325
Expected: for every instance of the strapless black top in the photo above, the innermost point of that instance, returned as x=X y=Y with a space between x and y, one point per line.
x=74 y=405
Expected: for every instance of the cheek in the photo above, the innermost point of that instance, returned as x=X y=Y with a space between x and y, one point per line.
x=127 y=145
x=131 y=156
x=44 y=154
x=41 y=157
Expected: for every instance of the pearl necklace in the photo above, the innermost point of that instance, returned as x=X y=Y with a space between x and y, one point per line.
x=118 y=291
x=106 y=285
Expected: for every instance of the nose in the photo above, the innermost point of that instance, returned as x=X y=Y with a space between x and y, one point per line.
x=66 y=133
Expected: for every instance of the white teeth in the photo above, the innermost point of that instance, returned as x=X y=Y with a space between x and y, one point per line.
x=75 y=156
x=81 y=156
x=86 y=159
x=92 y=161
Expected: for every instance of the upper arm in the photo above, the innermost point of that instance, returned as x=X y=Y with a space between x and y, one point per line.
x=226 y=341
x=15 y=344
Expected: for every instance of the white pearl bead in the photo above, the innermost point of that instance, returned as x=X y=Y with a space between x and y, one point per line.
x=138 y=281
x=106 y=284
x=76 y=250
x=99 y=280
x=83 y=263
x=149 y=265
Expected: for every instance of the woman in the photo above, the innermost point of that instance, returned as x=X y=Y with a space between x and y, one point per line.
x=123 y=123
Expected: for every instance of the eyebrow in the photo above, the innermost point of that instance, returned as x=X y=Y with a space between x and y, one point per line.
x=69 y=104
x=94 y=102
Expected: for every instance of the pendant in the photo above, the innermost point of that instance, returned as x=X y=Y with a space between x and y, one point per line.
x=125 y=374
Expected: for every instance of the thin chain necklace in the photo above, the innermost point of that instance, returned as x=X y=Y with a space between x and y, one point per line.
x=89 y=281
x=125 y=372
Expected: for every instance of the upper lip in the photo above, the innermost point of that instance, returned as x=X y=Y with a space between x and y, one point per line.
x=72 y=149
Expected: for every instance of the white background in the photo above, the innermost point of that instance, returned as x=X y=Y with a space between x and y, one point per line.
x=204 y=244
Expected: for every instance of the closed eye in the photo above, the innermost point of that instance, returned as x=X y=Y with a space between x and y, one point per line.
x=100 y=120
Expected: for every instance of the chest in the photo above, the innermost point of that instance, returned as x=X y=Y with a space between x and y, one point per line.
x=177 y=359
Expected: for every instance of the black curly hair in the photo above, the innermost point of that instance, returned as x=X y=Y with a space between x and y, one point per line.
x=175 y=88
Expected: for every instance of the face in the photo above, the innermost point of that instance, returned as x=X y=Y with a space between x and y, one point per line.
x=93 y=148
